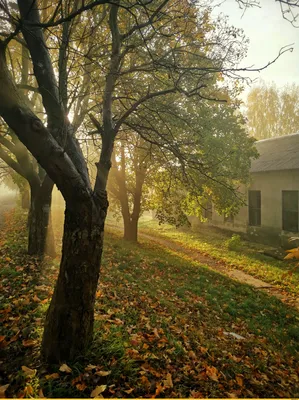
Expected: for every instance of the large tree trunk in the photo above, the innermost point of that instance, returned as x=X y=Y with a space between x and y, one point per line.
x=25 y=198
x=69 y=321
x=131 y=229
x=40 y=231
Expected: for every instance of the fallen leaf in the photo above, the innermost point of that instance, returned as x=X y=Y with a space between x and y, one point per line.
x=90 y=367
x=41 y=394
x=52 y=376
x=28 y=391
x=29 y=343
x=36 y=299
x=2 y=390
x=81 y=386
x=168 y=381
x=98 y=390
x=239 y=380
x=103 y=373
x=212 y=373
x=28 y=372
x=129 y=391
x=65 y=368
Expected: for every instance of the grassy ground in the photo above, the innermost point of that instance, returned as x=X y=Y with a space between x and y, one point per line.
x=246 y=257
x=163 y=329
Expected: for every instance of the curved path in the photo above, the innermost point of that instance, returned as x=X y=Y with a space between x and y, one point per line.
x=219 y=266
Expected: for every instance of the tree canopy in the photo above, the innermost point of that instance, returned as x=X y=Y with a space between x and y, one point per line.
x=272 y=111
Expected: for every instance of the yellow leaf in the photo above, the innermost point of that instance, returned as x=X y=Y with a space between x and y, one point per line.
x=90 y=367
x=65 y=368
x=103 y=373
x=28 y=372
x=2 y=390
x=98 y=390
x=129 y=391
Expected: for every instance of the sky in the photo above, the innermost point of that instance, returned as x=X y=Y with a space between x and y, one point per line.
x=268 y=32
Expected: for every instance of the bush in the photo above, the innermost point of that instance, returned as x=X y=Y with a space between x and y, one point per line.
x=234 y=243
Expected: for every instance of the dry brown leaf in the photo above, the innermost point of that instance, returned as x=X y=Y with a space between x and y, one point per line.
x=52 y=376
x=98 y=390
x=28 y=372
x=212 y=373
x=36 y=299
x=28 y=391
x=41 y=394
x=81 y=386
x=2 y=390
x=65 y=368
x=29 y=343
x=239 y=380
x=168 y=381
x=232 y=395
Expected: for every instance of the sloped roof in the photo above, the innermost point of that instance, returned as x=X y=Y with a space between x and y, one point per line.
x=276 y=154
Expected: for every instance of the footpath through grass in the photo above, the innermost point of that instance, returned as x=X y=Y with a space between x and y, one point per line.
x=165 y=327
x=248 y=257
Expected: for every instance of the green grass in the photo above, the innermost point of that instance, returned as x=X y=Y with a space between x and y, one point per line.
x=248 y=258
x=160 y=329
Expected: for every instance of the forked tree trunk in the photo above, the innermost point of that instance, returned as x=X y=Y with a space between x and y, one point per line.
x=40 y=231
x=69 y=322
x=131 y=229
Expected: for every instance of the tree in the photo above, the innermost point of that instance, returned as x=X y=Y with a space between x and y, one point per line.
x=179 y=181
x=187 y=65
x=271 y=111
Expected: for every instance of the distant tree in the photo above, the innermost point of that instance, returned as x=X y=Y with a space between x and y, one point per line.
x=271 y=111
x=209 y=161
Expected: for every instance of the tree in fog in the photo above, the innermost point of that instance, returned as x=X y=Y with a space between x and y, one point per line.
x=167 y=41
x=271 y=111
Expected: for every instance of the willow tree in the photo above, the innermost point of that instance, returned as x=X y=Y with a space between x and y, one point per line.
x=187 y=65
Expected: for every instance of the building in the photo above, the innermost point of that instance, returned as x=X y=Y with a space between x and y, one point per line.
x=271 y=214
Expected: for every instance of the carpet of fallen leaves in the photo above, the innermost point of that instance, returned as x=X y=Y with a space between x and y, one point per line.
x=163 y=328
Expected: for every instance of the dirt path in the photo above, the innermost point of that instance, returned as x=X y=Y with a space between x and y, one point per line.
x=220 y=266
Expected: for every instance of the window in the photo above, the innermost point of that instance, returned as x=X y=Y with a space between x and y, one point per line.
x=254 y=200
x=229 y=218
x=290 y=210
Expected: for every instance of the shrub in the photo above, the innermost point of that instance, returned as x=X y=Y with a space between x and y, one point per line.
x=234 y=243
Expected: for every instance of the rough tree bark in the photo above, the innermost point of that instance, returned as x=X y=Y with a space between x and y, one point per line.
x=69 y=323
x=40 y=232
x=25 y=199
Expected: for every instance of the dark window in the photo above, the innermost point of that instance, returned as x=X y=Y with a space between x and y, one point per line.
x=254 y=200
x=290 y=210
x=229 y=218
x=207 y=211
